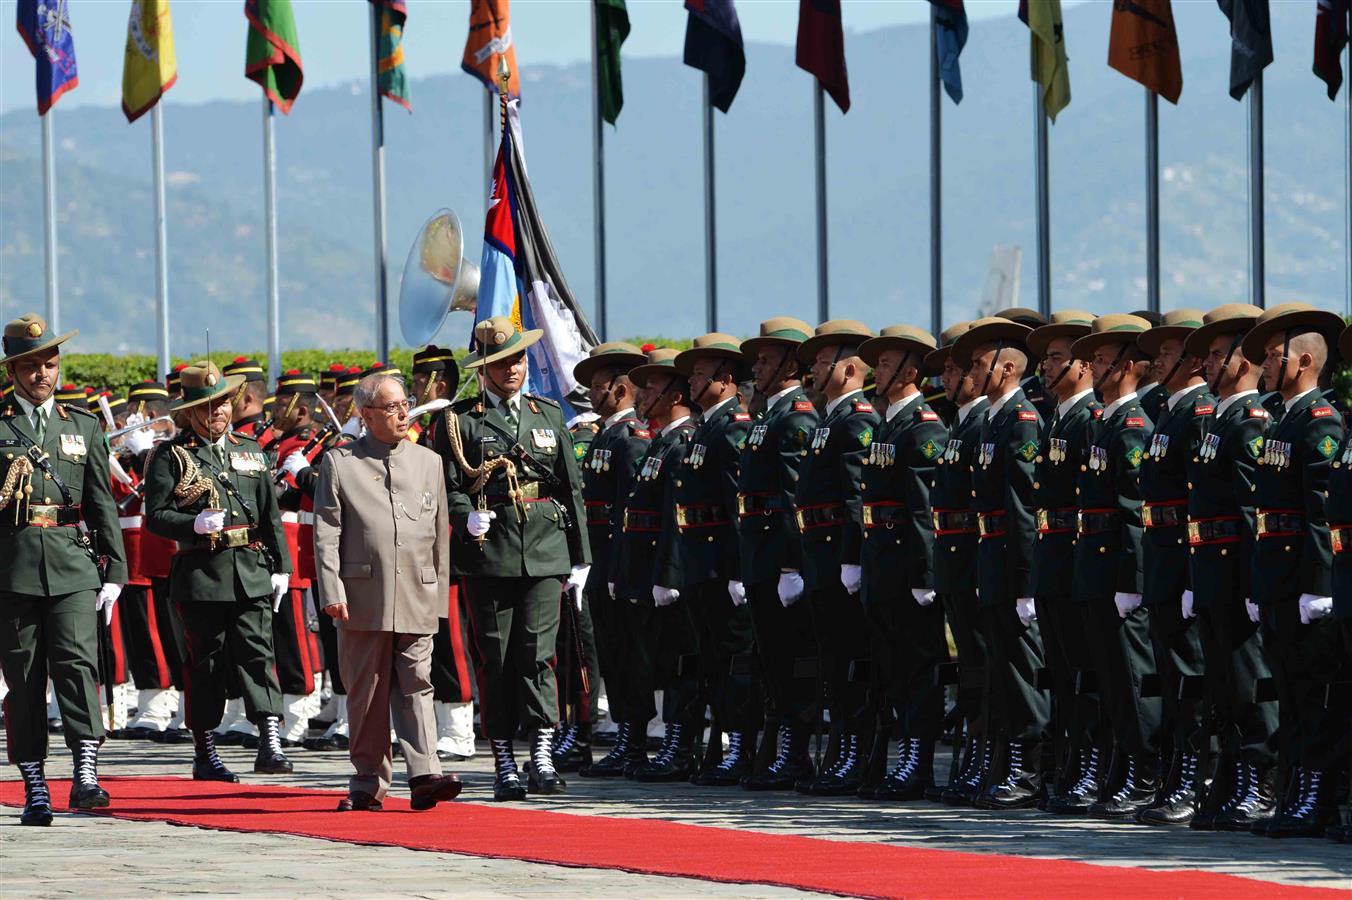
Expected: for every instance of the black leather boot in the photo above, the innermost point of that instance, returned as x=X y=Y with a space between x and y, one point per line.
x=572 y=749
x=85 y=790
x=612 y=764
x=541 y=776
x=1022 y=785
x=507 y=786
x=791 y=764
x=912 y=775
x=270 y=759
x=1253 y=803
x=1180 y=804
x=37 y=798
x=206 y=763
x=1222 y=788
x=1315 y=811
x=675 y=761
x=969 y=786
x=847 y=775
x=735 y=765
x=1084 y=793
x=1138 y=792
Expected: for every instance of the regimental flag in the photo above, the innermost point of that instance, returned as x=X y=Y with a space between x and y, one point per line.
x=520 y=277
x=713 y=44
x=1250 y=42
x=490 y=37
x=821 y=48
x=1143 y=46
x=390 y=66
x=1050 y=65
x=1332 y=22
x=612 y=27
x=150 y=67
x=273 y=53
x=950 y=36
x=44 y=26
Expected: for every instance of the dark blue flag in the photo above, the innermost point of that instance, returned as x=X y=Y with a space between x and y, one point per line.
x=713 y=43
x=45 y=28
x=950 y=36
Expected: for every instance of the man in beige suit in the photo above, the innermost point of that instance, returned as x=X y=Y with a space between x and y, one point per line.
x=383 y=563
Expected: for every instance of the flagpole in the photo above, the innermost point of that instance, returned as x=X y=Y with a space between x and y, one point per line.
x=936 y=188
x=49 y=221
x=1044 y=236
x=378 y=193
x=819 y=121
x=598 y=181
x=489 y=155
x=710 y=239
x=161 y=241
x=1152 y=200
x=1257 y=292
x=1347 y=183
x=270 y=240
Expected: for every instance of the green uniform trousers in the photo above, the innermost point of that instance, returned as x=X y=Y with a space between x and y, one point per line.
x=963 y=615
x=54 y=637
x=225 y=636
x=514 y=628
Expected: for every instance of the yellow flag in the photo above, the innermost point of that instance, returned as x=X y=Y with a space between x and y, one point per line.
x=1048 y=53
x=150 y=68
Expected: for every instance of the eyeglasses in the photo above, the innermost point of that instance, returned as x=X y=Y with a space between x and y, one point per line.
x=391 y=409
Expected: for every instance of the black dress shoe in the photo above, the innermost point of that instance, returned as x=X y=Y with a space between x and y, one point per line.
x=272 y=763
x=229 y=739
x=320 y=744
x=288 y=744
x=174 y=736
x=448 y=756
x=212 y=769
x=139 y=733
x=250 y=742
x=341 y=741
x=540 y=780
x=429 y=790
x=508 y=788
x=359 y=801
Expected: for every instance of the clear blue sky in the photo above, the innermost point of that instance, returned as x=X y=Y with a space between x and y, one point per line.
x=210 y=34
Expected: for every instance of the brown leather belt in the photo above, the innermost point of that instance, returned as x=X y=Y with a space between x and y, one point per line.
x=758 y=503
x=1061 y=520
x=991 y=524
x=1218 y=530
x=700 y=515
x=1165 y=514
x=648 y=520
x=41 y=515
x=231 y=538
x=884 y=513
x=1280 y=523
x=1097 y=521
x=953 y=521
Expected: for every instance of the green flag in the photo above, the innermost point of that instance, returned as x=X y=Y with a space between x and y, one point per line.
x=1048 y=52
x=612 y=27
x=273 y=55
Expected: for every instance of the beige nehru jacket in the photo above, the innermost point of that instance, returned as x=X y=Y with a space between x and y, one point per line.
x=382 y=536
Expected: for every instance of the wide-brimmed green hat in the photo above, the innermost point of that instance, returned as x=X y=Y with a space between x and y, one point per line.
x=661 y=361
x=1230 y=318
x=1065 y=323
x=934 y=360
x=612 y=354
x=714 y=345
x=29 y=334
x=497 y=338
x=781 y=331
x=990 y=330
x=1289 y=318
x=906 y=338
x=202 y=382
x=1345 y=345
x=1023 y=315
x=1118 y=328
x=1176 y=323
x=835 y=333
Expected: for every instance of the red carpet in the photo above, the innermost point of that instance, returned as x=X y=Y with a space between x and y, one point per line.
x=650 y=846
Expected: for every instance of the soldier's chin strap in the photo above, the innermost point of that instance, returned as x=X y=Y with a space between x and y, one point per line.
x=901 y=364
x=1286 y=350
x=1121 y=351
x=1065 y=370
x=713 y=379
x=660 y=394
x=990 y=372
x=426 y=394
x=1235 y=341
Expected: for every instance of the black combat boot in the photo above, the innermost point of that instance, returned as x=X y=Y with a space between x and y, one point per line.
x=1138 y=792
x=675 y=761
x=1022 y=785
x=1084 y=793
x=913 y=774
x=1180 y=804
x=507 y=784
x=270 y=759
x=1253 y=801
x=972 y=778
x=1224 y=783
x=206 y=763
x=85 y=790
x=37 y=799
x=572 y=749
x=735 y=766
x=847 y=775
x=1315 y=812
x=541 y=776
x=791 y=764
x=612 y=764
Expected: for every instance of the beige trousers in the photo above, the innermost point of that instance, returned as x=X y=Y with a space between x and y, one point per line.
x=389 y=680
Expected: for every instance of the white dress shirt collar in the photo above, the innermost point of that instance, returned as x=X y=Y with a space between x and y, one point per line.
x=999 y=402
x=966 y=409
x=1067 y=405
x=1175 y=397
x=895 y=408
x=1117 y=404
x=832 y=404
x=770 y=404
x=615 y=417
x=670 y=426
x=1230 y=401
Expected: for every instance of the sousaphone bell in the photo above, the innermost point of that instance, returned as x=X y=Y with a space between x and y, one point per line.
x=436 y=279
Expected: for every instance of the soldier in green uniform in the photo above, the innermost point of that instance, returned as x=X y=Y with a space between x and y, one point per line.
x=829 y=516
x=771 y=558
x=1109 y=578
x=210 y=490
x=1062 y=448
x=1221 y=535
x=994 y=352
x=1339 y=516
x=517 y=533
x=1168 y=596
x=608 y=470
x=955 y=547
x=1292 y=561
x=54 y=579
x=897 y=583
x=704 y=557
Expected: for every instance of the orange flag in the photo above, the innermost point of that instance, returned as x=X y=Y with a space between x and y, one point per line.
x=1144 y=46
x=490 y=38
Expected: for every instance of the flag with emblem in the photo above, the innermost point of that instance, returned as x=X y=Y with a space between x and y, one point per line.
x=150 y=67
x=390 y=60
x=1047 y=52
x=44 y=26
x=1250 y=41
x=520 y=277
x=1143 y=46
x=272 y=54
x=488 y=41
x=950 y=36
x=1332 y=22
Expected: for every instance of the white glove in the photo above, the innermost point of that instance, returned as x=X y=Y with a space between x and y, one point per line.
x=850 y=576
x=209 y=521
x=294 y=464
x=1187 y=606
x=353 y=427
x=923 y=596
x=665 y=596
x=1252 y=609
x=139 y=441
x=737 y=591
x=279 y=585
x=610 y=587
x=480 y=520
x=1313 y=608
x=790 y=587
x=1126 y=603
x=108 y=595
x=1026 y=610
x=577 y=581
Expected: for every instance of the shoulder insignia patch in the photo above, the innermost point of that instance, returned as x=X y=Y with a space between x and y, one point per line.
x=579 y=451
x=1321 y=412
x=1028 y=450
x=802 y=406
x=929 y=450
x=1134 y=457
x=741 y=417
x=866 y=436
x=1327 y=447
x=643 y=433
x=1028 y=416
x=231 y=438
x=1203 y=410
x=1134 y=422
x=927 y=416
x=530 y=402
x=863 y=406
x=1098 y=413
x=61 y=411
x=1258 y=412
x=1255 y=446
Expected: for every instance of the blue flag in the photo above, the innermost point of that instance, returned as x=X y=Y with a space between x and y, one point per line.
x=950 y=36
x=713 y=43
x=45 y=28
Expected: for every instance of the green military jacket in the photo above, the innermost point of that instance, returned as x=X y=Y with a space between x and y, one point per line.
x=649 y=517
x=608 y=470
x=1002 y=490
x=1108 y=561
x=1063 y=449
x=244 y=489
x=705 y=545
x=1293 y=555
x=1338 y=512
x=1220 y=502
x=898 y=530
x=827 y=502
x=951 y=500
x=1164 y=489
x=49 y=562
x=549 y=535
x=766 y=484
